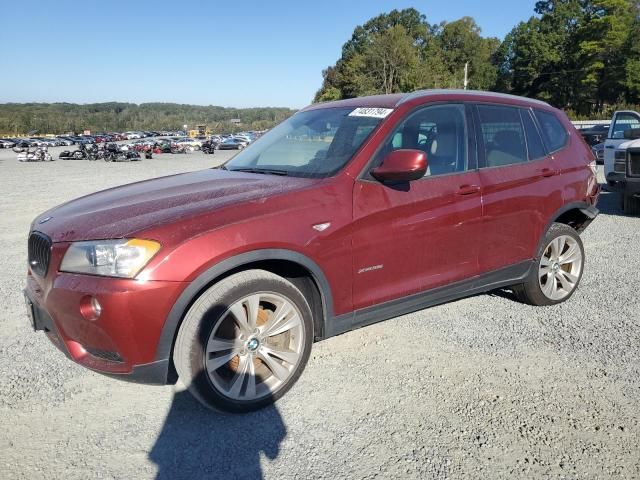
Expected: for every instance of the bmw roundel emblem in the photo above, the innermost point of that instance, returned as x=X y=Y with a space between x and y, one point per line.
x=44 y=220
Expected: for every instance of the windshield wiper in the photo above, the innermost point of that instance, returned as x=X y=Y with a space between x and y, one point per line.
x=264 y=171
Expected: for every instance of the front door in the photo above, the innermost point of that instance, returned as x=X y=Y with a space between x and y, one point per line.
x=417 y=236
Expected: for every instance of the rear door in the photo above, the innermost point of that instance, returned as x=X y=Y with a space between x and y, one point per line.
x=622 y=121
x=417 y=236
x=520 y=183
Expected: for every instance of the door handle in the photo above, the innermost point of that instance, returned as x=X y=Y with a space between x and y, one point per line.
x=548 y=172
x=468 y=189
x=610 y=147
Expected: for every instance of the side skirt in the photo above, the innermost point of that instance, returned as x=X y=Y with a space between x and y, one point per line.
x=483 y=283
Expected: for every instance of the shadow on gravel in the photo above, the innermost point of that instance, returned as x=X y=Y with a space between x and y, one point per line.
x=609 y=203
x=197 y=443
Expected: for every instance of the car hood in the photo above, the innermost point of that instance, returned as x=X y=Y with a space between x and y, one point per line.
x=123 y=211
x=629 y=144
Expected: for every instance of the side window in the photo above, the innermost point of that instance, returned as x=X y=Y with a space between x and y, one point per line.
x=535 y=147
x=440 y=131
x=554 y=133
x=624 y=122
x=502 y=135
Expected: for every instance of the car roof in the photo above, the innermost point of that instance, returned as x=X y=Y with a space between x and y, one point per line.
x=396 y=99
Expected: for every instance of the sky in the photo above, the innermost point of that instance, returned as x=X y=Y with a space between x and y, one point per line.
x=231 y=53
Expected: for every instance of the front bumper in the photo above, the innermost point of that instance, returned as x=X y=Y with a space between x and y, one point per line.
x=122 y=341
x=620 y=182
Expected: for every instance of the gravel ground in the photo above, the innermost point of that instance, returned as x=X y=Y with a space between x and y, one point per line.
x=480 y=388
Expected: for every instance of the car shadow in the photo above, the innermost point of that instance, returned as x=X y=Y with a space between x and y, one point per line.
x=198 y=443
x=609 y=202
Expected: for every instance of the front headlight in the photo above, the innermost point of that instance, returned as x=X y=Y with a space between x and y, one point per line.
x=109 y=258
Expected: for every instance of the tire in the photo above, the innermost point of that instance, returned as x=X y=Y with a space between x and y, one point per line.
x=558 y=268
x=631 y=205
x=238 y=369
x=77 y=155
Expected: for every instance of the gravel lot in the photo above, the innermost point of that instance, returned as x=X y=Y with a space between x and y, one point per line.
x=480 y=388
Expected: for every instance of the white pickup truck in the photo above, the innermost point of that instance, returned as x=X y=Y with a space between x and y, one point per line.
x=622 y=159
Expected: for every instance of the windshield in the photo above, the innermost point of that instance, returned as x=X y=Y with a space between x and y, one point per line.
x=317 y=143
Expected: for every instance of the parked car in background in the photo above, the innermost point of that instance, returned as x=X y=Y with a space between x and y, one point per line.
x=188 y=142
x=621 y=122
x=6 y=143
x=65 y=141
x=232 y=144
x=594 y=135
x=625 y=178
x=346 y=214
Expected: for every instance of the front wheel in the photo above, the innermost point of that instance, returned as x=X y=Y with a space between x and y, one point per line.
x=244 y=342
x=558 y=269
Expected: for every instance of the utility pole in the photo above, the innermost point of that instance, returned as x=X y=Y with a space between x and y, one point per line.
x=466 y=75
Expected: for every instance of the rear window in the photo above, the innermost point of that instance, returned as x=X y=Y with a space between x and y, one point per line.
x=502 y=135
x=553 y=132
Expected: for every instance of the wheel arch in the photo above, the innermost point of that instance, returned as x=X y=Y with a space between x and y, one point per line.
x=303 y=272
x=577 y=215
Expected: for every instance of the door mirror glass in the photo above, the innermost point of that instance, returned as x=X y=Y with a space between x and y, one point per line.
x=402 y=166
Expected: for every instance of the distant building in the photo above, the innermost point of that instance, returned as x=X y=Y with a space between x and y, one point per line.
x=235 y=121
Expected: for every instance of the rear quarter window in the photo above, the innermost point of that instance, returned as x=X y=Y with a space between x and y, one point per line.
x=554 y=133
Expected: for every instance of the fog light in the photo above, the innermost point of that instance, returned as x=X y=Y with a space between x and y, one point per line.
x=90 y=308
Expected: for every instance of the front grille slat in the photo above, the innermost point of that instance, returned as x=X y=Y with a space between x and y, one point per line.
x=39 y=253
x=634 y=164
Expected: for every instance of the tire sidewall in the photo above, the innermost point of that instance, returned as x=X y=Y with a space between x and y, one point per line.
x=201 y=319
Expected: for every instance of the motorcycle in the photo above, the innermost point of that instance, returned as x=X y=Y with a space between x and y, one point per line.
x=83 y=153
x=209 y=147
x=113 y=153
x=40 y=154
x=175 y=148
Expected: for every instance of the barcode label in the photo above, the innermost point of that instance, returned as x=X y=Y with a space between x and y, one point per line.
x=371 y=112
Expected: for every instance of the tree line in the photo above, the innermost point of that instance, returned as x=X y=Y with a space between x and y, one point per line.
x=579 y=55
x=22 y=118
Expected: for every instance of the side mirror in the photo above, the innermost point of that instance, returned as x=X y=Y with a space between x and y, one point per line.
x=633 y=134
x=402 y=166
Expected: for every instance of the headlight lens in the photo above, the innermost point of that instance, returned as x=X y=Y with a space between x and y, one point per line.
x=109 y=258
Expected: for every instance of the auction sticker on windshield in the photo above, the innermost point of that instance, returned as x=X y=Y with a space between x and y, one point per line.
x=371 y=112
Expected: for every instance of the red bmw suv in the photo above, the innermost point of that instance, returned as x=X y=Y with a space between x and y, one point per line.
x=346 y=214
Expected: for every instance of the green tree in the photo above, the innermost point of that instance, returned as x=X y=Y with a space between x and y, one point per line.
x=577 y=54
x=399 y=51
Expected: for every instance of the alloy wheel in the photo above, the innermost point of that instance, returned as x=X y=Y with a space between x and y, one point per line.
x=560 y=267
x=255 y=347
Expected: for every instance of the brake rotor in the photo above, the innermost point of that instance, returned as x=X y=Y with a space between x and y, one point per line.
x=263 y=317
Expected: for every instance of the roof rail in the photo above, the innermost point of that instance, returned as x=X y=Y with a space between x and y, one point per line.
x=429 y=93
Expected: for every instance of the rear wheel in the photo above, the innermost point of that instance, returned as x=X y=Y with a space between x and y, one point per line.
x=558 y=271
x=631 y=205
x=244 y=342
